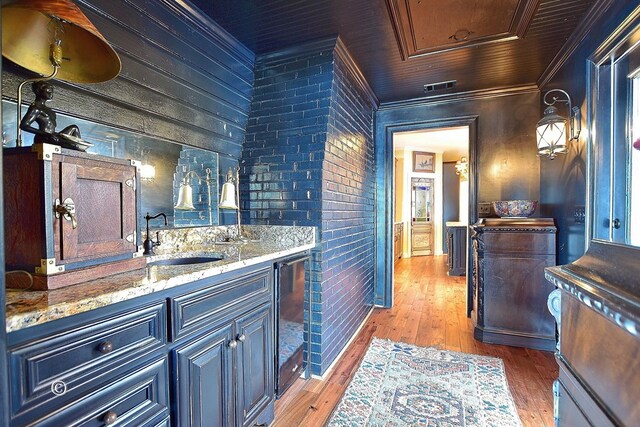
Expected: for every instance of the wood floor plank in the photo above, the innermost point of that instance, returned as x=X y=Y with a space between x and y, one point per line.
x=429 y=310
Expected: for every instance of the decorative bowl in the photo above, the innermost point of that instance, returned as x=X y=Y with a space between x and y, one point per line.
x=515 y=208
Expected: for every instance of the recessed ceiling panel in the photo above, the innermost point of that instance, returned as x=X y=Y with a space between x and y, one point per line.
x=364 y=26
x=428 y=26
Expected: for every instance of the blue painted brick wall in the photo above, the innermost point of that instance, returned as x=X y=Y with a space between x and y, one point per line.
x=308 y=160
x=348 y=210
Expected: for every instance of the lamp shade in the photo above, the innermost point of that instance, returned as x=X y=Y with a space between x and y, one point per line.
x=29 y=31
x=185 y=198
x=228 y=196
x=551 y=133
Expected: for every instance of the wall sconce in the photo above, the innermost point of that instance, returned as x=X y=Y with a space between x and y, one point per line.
x=551 y=130
x=185 y=193
x=34 y=35
x=230 y=196
x=462 y=168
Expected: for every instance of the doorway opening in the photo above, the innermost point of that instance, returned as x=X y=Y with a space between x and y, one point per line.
x=429 y=191
x=409 y=154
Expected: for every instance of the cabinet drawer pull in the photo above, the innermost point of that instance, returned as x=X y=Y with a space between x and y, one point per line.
x=233 y=344
x=105 y=347
x=241 y=337
x=110 y=417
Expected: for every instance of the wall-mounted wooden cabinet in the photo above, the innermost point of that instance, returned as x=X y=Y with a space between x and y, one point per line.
x=70 y=216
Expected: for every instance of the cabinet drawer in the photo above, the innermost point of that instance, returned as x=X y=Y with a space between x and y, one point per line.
x=520 y=243
x=78 y=360
x=204 y=308
x=139 y=399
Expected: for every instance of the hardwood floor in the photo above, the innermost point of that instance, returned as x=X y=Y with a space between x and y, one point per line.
x=429 y=310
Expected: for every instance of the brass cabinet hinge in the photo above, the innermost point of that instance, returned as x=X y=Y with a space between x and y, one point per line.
x=48 y=267
x=131 y=238
x=45 y=151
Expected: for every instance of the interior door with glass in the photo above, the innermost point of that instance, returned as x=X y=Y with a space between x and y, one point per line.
x=422 y=216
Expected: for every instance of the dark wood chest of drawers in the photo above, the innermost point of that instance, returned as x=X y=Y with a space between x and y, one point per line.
x=509 y=288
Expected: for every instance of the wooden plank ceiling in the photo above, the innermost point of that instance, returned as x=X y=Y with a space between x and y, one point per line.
x=403 y=45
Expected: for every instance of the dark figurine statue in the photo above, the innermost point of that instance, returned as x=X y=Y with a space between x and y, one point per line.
x=45 y=117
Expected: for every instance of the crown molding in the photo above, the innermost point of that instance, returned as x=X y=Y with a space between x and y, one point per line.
x=461 y=96
x=574 y=40
x=334 y=44
x=308 y=48
x=345 y=56
x=185 y=10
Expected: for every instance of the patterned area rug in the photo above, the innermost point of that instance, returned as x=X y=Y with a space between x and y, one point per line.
x=403 y=385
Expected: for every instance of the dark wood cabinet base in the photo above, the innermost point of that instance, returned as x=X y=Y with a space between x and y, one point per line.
x=509 y=289
x=504 y=337
x=72 y=277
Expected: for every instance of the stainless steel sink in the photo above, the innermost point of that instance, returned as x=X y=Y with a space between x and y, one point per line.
x=185 y=260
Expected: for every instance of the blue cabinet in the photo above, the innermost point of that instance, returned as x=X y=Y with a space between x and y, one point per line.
x=205 y=381
x=140 y=399
x=200 y=354
x=254 y=362
x=224 y=352
x=59 y=364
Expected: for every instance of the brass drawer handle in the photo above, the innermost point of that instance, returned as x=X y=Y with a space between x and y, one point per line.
x=110 y=417
x=105 y=347
x=241 y=338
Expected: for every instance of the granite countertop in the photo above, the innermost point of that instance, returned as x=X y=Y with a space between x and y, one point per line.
x=29 y=308
x=455 y=224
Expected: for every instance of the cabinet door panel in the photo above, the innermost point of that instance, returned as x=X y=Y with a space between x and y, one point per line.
x=255 y=363
x=204 y=388
x=105 y=206
x=140 y=399
x=73 y=356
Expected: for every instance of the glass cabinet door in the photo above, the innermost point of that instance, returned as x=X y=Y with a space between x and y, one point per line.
x=616 y=145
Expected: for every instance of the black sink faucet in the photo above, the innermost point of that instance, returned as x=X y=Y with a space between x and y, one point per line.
x=148 y=243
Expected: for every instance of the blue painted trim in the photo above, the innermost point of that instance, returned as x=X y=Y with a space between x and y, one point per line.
x=190 y=13
x=305 y=49
x=384 y=193
x=458 y=97
x=343 y=53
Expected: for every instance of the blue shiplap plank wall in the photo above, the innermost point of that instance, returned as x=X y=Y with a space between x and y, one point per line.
x=183 y=77
x=303 y=131
x=308 y=160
